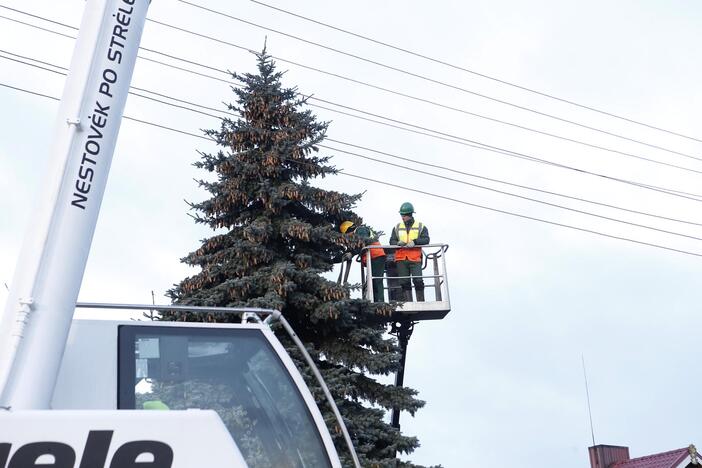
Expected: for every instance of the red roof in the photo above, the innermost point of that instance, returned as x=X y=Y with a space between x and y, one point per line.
x=660 y=460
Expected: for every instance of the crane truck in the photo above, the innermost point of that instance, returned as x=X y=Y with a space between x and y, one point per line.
x=126 y=394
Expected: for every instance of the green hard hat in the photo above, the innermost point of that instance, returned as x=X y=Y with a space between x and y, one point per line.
x=406 y=208
x=363 y=231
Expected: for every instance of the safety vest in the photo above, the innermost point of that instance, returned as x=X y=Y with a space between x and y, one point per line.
x=374 y=253
x=404 y=235
x=366 y=232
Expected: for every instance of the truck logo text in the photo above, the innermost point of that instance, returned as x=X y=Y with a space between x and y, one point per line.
x=136 y=454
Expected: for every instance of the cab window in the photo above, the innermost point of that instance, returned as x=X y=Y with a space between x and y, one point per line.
x=235 y=372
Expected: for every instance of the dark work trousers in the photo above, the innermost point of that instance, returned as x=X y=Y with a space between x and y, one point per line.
x=378 y=270
x=414 y=269
x=394 y=288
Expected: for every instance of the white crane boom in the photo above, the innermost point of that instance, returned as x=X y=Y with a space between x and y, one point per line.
x=39 y=310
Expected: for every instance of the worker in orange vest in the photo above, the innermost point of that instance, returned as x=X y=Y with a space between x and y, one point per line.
x=377 y=256
x=409 y=234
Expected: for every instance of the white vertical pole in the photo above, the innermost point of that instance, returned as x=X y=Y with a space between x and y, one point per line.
x=369 y=275
x=39 y=310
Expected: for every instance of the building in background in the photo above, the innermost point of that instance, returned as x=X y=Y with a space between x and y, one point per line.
x=613 y=456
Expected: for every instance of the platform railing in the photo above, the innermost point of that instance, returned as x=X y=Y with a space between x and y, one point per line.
x=434 y=275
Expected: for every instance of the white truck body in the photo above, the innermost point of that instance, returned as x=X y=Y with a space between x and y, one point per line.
x=116 y=439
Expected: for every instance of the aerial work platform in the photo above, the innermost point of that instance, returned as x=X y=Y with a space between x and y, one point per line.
x=437 y=303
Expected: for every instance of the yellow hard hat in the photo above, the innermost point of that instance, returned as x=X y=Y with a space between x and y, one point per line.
x=345 y=226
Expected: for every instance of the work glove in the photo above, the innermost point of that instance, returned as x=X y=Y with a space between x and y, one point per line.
x=347 y=256
x=402 y=244
x=410 y=244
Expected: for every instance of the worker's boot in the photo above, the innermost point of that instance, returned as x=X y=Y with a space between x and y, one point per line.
x=420 y=294
x=407 y=293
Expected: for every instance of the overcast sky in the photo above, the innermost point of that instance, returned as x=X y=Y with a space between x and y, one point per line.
x=502 y=374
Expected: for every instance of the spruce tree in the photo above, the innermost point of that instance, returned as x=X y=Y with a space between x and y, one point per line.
x=276 y=235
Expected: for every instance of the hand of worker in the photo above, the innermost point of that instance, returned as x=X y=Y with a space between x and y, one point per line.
x=410 y=244
x=347 y=256
x=402 y=244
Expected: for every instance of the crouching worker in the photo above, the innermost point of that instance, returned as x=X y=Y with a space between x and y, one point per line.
x=409 y=234
x=377 y=265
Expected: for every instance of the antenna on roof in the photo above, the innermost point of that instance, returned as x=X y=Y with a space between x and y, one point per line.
x=150 y=315
x=587 y=393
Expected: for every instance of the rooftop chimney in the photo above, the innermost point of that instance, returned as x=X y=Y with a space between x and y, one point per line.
x=603 y=456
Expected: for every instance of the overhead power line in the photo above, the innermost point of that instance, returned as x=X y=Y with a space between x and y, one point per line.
x=164 y=127
x=514 y=195
x=591 y=145
x=414 y=190
x=396 y=69
x=35 y=93
x=64 y=73
x=623 y=153
x=497 y=150
x=668 y=191
x=68 y=36
x=526 y=157
x=484 y=117
x=603 y=148
x=399 y=158
x=511 y=184
x=43 y=18
x=518 y=215
x=508 y=83
x=14 y=20
x=655 y=188
x=457 y=137
x=473 y=72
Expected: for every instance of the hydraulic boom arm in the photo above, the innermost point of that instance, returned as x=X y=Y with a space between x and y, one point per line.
x=38 y=313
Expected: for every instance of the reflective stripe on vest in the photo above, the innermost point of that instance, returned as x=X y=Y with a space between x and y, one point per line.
x=414 y=254
x=402 y=235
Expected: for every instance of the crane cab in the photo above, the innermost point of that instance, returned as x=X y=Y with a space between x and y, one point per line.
x=241 y=371
x=436 y=304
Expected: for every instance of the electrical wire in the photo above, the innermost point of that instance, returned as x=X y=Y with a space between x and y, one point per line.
x=526 y=157
x=473 y=72
x=165 y=127
x=400 y=70
x=22 y=12
x=405 y=159
x=141 y=47
x=488 y=118
x=4 y=85
x=466 y=142
x=419 y=99
x=518 y=215
x=64 y=73
x=514 y=195
x=603 y=148
x=229 y=113
x=643 y=158
x=662 y=190
x=497 y=150
x=669 y=191
x=511 y=184
x=415 y=190
x=14 y=20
